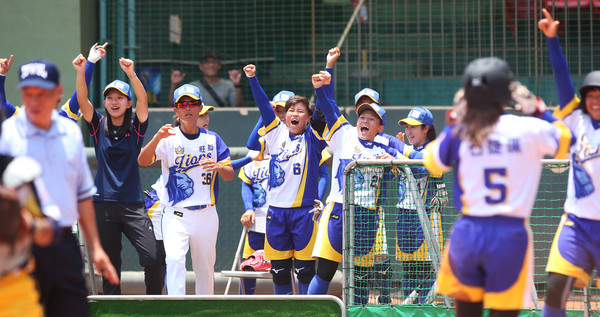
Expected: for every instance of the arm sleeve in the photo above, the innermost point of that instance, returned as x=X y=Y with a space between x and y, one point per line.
x=262 y=101
x=6 y=107
x=253 y=140
x=329 y=92
x=236 y=164
x=327 y=107
x=71 y=108
x=564 y=84
x=323 y=181
x=247 y=196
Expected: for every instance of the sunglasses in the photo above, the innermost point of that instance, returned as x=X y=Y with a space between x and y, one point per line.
x=183 y=104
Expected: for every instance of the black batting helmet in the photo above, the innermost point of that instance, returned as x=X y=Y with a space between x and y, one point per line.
x=486 y=82
x=591 y=81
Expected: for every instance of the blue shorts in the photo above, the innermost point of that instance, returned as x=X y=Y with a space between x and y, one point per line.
x=291 y=233
x=489 y=260
x=254 y=241
x=576 y=249
x=410 y=239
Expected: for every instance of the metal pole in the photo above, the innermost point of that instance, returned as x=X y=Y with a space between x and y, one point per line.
x=236 y=259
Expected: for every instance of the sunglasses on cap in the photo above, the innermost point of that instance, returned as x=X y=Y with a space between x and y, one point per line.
x=192 y=104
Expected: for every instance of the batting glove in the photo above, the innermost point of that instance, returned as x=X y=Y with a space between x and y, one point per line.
x=316 y=211
x=94 y=55
x=527 y=102
x=439 y=199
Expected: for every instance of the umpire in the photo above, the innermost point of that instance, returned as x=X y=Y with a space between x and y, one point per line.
x=57 y=145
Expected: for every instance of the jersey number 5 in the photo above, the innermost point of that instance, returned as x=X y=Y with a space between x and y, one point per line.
x=492 y=176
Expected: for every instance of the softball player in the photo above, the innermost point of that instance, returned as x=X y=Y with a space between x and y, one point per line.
x=575 y=252
x=119 y=203
x=190 y=159
x=292 y=188
x=71 y=108
x=349 y=144
x=411 y=247
x=488 y=261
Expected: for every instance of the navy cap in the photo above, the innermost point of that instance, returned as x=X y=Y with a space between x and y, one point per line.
x=418 y=116
x=372 y=106
x=39 y=73
x=187 y=90
x=119 y=85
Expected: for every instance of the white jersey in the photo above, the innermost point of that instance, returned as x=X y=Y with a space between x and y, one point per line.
x=347 y=147
x=294 y=166
x=256 y=174
x=582 y=198
x=500 y=177
x=186 y=183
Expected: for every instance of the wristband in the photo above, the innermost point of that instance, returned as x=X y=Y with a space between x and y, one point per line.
x=134 y=75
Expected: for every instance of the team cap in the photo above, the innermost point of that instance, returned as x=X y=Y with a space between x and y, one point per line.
x=282 y=97
x=372 y=106
x=119 y=85
x=418 y=116
x=206 y=109
x=187 y=90
x=367 y=92
x=39 y=73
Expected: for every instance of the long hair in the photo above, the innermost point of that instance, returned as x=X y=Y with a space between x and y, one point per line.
x=478 y=122
x=109 y=130
x=431 y=133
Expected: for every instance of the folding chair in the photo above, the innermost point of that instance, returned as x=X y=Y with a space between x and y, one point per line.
x=85 y=251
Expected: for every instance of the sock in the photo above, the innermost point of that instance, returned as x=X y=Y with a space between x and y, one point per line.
x=286 y=289
x=249 y=286
x=318 y=286
x=303 y=288
x=553 y=312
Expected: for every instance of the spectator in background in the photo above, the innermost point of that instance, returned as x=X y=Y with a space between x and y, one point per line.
x=214 y=90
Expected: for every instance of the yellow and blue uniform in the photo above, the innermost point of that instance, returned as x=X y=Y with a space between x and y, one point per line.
x=495 y=189
x=575 y=251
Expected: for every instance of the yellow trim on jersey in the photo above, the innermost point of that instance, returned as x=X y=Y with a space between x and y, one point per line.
x=151 y=209
x=153 y=158
x=324 y=156
x=212 y=188
x=570 y=107
x=341 y=120
x=17 y=109
x=243 y=177
x=272 y=254
x=407 y=151
x=262 y=131
x=298 y=199
x=430 y=163
x=558 y=264
x=306 y=253
x=564 y=140
x=263 y=146
x=70 y=113
x=226 y=162
x=448 y=283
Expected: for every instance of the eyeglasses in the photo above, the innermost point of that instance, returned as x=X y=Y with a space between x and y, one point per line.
x=192 y=104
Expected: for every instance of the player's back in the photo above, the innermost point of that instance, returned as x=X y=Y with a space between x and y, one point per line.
x=501 y=176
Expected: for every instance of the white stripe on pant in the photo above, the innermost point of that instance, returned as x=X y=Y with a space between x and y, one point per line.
x=196 y=230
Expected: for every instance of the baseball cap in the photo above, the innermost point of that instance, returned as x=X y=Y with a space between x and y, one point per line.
x=39 y=73
x=282 y=97
x=372 y=106
x=119 y=85
x=187 y=90
x=210 y=54
x=418 y=116
x=367 y=92
x=206 y=109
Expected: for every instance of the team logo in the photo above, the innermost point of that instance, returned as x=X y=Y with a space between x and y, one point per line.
x=179 y=150
x=179 y=186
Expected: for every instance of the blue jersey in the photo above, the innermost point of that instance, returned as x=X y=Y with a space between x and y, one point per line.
x=118 y=175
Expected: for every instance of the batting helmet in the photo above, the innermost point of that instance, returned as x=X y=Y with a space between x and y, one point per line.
x=591 y=81
x=486 y=82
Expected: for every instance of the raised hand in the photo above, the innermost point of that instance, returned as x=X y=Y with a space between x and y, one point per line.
x=332 y=56
x=176 y=76
x=400 y=136
x=326 y=77
x=97 y=52
x=127 y=66
x=79 y=63
x=165 y=131
x=548 y=25
x=5 y=64
x=250 y=70
x=235 y=75
x=317 y=80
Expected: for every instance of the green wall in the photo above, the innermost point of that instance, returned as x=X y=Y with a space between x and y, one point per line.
x=57 y=30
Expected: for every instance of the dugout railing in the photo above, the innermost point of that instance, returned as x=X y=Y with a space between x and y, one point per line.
x=385 y=255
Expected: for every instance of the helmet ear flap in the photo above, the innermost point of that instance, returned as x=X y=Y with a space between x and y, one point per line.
x=486 y=82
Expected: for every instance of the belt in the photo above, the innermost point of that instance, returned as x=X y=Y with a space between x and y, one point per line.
x=67 y=230
x=197 y=207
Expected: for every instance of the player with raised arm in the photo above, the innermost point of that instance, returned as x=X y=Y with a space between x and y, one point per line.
x=190 y=159
x=575 y=252
x=71 y=108
x=296 y=152
x=488 y=260
x=119 y=203
x=349 y=144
